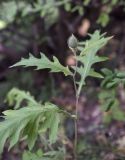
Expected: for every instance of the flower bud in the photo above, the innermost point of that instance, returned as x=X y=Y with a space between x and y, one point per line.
x=72 y=42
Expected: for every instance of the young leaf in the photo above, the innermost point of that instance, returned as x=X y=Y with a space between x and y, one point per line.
x=43 y=63
x=16 y=97
x=88 y=56
x=96 y=42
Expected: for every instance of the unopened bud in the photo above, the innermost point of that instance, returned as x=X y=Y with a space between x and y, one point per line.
x=72 y=42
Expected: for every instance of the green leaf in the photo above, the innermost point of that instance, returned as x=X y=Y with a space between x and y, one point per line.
x=96 y=42
x=121 y=74
x=112 y=79
x=93 y=73
x=16 y=97
x=55 y=155
x=15 y=137
x=43 y=63
x=32 y=130
x=111 y=84
x=27 y=155
x=54 y=129
x=103 y=19
x=88 y=56
x=5 y=13
x=106 y=71
x=100 y=59
x=109 y=100
x=26 y=122
x=86 y=2
x=118 y=114
x=39 y=155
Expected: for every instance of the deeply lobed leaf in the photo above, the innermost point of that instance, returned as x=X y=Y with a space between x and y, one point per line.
x=88 y=57
x=27 y=122
x=43 y=63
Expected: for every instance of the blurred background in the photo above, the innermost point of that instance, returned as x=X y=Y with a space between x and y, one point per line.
x=34 y=26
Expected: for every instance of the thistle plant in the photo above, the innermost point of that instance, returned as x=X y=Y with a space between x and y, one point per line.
x=32 y=118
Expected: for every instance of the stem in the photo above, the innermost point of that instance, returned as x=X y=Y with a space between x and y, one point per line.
x=76 y=107
x=87 y=68
x=76 y=128
x=74 y=75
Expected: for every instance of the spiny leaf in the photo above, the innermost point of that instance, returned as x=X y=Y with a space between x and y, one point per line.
x=27 y=122
x=88 y=56
x=96 y=42
x=43 y=63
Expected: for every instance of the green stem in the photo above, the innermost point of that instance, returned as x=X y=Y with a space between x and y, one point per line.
x=76 y=128
x=86 y=70
x=76 y=107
